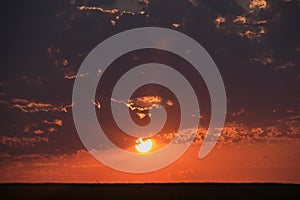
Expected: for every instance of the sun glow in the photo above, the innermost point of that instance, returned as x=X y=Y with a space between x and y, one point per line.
x=143 y=146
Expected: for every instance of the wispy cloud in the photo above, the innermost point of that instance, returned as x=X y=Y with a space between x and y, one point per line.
x=176 y=25
x=285 y=66
x=117 y=12
x=70 y=77
x=240 y=19
x=43 y=127
x=142 y=105
x=68 y=67
x=29 y=106
x=23 y=141
x=4 y=155
x=258 y=4
x=195 y=3
x=269 y=60
x=96 y=103
x=38 y=131
x=287 y=129
x=219 y=20
x=251 y=25
x=38 y=80
x=263 y=60
x=57 y=122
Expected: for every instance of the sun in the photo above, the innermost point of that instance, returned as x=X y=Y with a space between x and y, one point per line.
x=143 y=146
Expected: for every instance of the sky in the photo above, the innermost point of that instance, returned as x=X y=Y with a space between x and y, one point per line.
x=254 y=43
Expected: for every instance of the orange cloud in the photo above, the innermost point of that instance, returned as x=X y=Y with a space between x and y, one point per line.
x=195 y=2
x=66 y=107
x=248 y=25
x=145 y=103
x=264 y=60
x=70 y=77
x=240 y=19
x=57 y=122
x=219 y=20
x=35 y=107
x=238 y=133
x=27 y=106
x=22 y=141
x=36 y=80
x=96 y=103
x=112 y=11
x=52 y=130
x=285 y=66
x=260 y=4
x=38 y=131
x=142 y=115
x=4 y=102
x=175 y=25
x=117 y=12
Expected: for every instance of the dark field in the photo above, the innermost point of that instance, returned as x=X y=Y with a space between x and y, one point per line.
x=150 y=191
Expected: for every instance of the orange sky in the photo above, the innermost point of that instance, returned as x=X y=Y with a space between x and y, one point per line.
x=273 y=162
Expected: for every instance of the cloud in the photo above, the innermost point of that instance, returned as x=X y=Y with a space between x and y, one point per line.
x=65 y=65
x=110 y=11
x=43 y=126
x=68 y=67
x=38 y=80
x=57 y=122
x=263 y=60
x=252 y=4
x=258 y=4
x=35 y=107
x=267 y=58
x=4 y=155
x=45 y=164
x=66 y=107
x=120 y=8
x=28 y=106
x=176 y=25
x=195 y=3
x=285 y=66
x=52 y=129
x=134 y=6
x=145 y=103
x=96 y=103
x=22 y=141
x=219 y=20
x=250 y=25
x=182 y=174
x=240 y=19
x=70 y=77
x=38 y=131
x=4 y=102
x=253 y=34
x=232 y=132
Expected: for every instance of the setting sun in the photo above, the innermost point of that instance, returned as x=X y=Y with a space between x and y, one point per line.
x=143 y=146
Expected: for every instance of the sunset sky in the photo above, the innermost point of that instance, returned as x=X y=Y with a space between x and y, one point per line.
x=254 y=43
